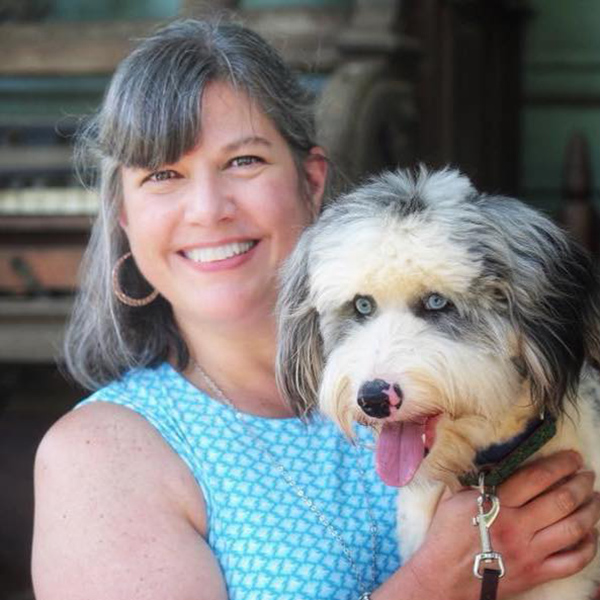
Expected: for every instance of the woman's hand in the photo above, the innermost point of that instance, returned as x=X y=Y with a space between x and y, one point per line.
x=550 y=514
x=545 y=531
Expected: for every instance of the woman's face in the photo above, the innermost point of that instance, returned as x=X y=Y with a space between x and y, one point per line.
x=211 y=231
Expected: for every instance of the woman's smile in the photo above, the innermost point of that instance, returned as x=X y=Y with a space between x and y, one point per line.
x=221 y=256
x=218 y=253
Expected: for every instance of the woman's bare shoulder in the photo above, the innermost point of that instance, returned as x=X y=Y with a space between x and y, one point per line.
x=108 y=444
x=101 y=427
x=113 y=497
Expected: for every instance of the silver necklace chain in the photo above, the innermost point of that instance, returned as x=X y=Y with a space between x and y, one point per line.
x=301 y=493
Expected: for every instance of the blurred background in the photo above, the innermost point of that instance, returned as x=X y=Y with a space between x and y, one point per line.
x=506 y=90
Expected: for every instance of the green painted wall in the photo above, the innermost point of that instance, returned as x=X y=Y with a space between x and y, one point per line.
x=26 y=98
x=561 y=93
x=93 y=10
x=260 y=4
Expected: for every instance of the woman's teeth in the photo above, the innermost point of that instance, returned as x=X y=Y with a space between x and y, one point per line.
x=212 y=254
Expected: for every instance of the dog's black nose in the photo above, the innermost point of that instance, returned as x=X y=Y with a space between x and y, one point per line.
x=374 y=398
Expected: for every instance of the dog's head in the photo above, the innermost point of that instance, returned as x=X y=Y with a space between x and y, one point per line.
x=455 y=316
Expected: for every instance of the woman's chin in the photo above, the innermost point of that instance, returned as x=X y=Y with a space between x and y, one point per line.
x=229 y=311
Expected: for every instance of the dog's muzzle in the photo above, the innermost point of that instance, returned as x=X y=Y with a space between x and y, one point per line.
x=377 y=398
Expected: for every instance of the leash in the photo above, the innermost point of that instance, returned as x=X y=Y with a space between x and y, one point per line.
x=489 y=584
x=488 y=565
x=496 y=463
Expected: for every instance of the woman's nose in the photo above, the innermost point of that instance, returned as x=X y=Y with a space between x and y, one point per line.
x=209 y=201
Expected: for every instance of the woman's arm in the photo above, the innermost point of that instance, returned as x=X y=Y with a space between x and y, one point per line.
x=118 y=515
x=545 y=531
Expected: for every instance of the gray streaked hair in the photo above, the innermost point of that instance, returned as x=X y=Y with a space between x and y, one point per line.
x=150 y=117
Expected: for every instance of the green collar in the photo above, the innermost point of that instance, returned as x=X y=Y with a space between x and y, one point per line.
x=499 y=461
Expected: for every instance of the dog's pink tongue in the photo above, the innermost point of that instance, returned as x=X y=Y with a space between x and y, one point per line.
x=400 y=450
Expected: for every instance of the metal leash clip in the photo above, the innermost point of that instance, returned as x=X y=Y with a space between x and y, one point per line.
x=487 y=558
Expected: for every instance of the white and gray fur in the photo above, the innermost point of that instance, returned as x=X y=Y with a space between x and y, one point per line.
x=521 y=334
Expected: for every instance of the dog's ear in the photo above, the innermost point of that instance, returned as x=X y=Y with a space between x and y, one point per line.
x=551 y=289
x=299 y=362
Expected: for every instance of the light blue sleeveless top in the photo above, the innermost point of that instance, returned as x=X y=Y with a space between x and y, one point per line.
x=269 y=544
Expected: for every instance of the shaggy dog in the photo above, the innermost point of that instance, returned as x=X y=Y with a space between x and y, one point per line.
x=455 y=323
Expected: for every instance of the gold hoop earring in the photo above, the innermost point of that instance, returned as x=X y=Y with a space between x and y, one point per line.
x=121 y=295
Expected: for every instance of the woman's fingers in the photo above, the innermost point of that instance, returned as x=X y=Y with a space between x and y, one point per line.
x=536 y=477
x=561 y=500
x=545 y=529
x=571 y=530
x=571 y=561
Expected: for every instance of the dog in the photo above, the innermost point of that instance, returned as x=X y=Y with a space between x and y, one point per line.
x=463 y=327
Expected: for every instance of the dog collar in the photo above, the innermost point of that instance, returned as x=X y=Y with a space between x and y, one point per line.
x=498 y=461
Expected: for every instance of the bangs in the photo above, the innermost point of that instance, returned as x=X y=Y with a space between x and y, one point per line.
x=152 y=136
x=153 y=115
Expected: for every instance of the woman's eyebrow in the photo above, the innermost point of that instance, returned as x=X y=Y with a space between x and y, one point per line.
x=247 y=141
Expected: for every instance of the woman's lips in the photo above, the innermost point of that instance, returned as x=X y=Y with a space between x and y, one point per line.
x=210 y=254
x=222 y=256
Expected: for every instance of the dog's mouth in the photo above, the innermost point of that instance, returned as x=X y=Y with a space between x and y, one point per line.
x=401 y=448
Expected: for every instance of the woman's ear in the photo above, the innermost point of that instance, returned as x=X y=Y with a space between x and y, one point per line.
x=316 y=169
x=123 y=220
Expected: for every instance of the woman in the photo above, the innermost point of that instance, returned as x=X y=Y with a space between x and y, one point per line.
x=185 y=475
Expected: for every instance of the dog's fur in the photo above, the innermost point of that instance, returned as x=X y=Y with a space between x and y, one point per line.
x=520 y=336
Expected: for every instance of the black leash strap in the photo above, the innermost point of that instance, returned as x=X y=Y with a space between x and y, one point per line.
x=488 y=507
x=489 y=584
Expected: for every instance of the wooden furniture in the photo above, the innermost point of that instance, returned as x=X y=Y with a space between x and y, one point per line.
x=577 y=211
x=436 y=81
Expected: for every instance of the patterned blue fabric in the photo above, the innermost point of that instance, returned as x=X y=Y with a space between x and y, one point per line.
x=269 y=544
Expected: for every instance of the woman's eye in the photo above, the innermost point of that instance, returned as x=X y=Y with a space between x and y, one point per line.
x=364 y=306
x=435 y=302
x=159 y=176
x=245 y=161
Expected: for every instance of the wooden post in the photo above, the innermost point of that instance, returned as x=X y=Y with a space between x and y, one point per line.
x=578 y=213
x=196 y=7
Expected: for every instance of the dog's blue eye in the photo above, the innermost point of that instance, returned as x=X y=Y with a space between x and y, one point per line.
x=364 y=306
x=435 y=302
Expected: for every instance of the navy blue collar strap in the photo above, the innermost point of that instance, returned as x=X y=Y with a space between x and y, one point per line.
x=499 y=461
